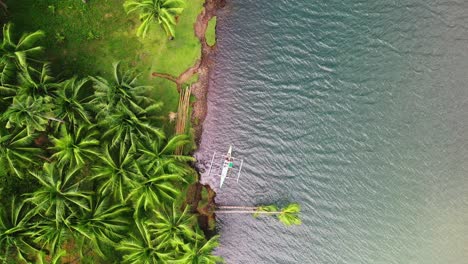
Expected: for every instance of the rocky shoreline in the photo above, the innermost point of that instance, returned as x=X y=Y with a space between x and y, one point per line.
x=202 y=197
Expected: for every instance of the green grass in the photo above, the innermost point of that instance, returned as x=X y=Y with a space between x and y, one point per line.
x=210 y=34
x=85 y=39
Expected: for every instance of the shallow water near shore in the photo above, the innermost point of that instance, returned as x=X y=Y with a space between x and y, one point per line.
x=358 y=110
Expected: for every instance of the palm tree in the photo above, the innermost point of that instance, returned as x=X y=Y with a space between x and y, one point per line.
x=173 y=226
x=122 y=89
x=27 y=112
x=15 y=238
x=104 y=224
x=127 y=127
x=201 y=252
x=58 y=196
x=153 y=189
x=16 y=152
x=15 y=54
x=50 y=233
x=160 y=153
x=116 y=174
x=36 y=83
x=143 y=248
x=163 y=12
x=74 y=149
x=42 y=258
x=289 y=215
x=71 y=104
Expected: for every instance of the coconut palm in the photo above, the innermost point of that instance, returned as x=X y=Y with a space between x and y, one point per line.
x=129 y=126
x=16 y=54
x=173 y=226
x=27 y=112
x=16 y=152
x=15 y=237
x=50 y=234
x=200 y=252
x=104 y=224
x=162 y=12
x=289 y=215
x=116 y=173
x=143 y=248
x=160 y=153
x=71 y=103
x=42 y=258
x=123 y=88
x=36 y=82
x=74 y=149
x=153 y=189
x=58 y=195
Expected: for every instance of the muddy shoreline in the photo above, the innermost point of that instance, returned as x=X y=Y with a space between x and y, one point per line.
x=202 y=197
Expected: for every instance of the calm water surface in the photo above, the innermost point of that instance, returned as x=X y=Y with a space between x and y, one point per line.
x=358 y=110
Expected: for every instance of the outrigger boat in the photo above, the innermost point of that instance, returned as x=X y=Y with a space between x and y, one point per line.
x=227 y=166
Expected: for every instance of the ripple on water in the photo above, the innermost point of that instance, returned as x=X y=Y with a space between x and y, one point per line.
x=355 y=109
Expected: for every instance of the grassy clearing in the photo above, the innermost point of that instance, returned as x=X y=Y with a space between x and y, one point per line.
x=210 y=34
x=84 y=39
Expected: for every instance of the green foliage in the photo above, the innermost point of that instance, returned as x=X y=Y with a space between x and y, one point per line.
x=121 y=90
x=153 y=188
x=201 y=252
x=27 y=112
x=72 y=103
x=59 y=194
x=104 y=224
x=98 y=172
x=162 y=12
x=266 y=208
x=142 y=247
x=15 y=238
x=16 y=54
x=36 y=83
x=16 y=152
x=290 y=215
x=74 y=149
x=115 y=173
x=210 y=34
x=173 y=226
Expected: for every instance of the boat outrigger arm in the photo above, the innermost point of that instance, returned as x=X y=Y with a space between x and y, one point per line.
x=227 y=166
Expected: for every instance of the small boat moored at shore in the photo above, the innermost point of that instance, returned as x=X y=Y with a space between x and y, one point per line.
x=226 y=166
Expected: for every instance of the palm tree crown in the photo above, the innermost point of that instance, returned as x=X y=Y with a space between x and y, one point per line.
x=200 y=252
x=15 y=237
x=162 y=12
x=58 y=197
x=74 y=149
x=16 y=152
x=116 y=173
x=27 y=112
x=122 y=89
x=15 y=54
x=71 y=105
x=143 y=248
x=173 y=226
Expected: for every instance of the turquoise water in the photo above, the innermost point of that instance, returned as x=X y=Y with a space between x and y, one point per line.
x=358 y=110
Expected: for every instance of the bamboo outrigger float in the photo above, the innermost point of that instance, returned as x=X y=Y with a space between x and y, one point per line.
x=227 y=166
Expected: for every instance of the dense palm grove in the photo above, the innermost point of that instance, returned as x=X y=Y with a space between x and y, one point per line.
x=85 y=171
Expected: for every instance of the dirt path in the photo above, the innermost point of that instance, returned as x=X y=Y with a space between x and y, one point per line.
x=202 y=67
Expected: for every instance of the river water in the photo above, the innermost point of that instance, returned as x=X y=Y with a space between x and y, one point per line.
x=358 y=110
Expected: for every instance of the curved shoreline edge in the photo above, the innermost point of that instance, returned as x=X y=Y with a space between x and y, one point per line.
x=201 y=197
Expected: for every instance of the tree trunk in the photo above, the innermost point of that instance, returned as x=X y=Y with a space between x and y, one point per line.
x=238 y=207
x=246 y=212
